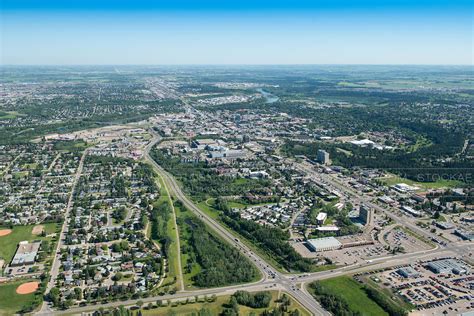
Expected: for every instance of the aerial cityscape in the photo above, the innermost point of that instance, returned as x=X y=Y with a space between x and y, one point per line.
x=246 y=188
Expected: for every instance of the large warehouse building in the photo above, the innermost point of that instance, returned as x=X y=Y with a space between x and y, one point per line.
x=448 y=266
x=324 y=244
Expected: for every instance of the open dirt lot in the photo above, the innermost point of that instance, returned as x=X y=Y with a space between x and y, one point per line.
x=38 y=229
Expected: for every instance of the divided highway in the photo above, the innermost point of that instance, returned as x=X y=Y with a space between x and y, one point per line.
x=271 y=278
x=269 y=274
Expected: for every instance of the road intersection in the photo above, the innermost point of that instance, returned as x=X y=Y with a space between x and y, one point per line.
x=294 y=284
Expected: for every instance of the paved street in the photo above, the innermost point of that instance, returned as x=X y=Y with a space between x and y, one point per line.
x=45 y=309
x=294 y=284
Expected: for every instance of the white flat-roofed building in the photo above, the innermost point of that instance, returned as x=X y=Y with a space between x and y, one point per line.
x=404 y=188
x=324 y=244
x=411 y=211
x=362 y=142
x=448 y=266
x=328 y=229
x=321 y=218
x=25 y=253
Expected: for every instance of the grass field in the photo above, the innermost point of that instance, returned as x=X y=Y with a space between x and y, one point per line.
x=208 y=209
x=183 y=239
x=389 y=296
x=217 y=307
x=10 y=302
x=9 y=243
x=7 y=115
x=20 y=174
x=392 y=180
x=71 y=145
x=353 y=293
x=173 y=252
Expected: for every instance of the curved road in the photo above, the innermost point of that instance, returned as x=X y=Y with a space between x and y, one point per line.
x=269 y=274
x=272 y=279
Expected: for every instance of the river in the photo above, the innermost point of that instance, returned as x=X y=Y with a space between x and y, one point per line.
x=270 y=98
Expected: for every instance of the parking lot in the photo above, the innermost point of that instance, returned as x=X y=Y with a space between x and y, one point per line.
x=398 y=237
x=430 y=293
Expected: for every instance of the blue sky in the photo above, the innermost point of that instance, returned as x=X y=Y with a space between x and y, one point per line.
x=236 y=32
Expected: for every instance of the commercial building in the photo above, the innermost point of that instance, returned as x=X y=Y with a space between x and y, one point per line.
x=324 y=244
x=362 y=142
x=411 y=211
x=228 y=154
x=323 y=157
x=448 y=266
x=408 y=272
x=365 y=214
x=328 y=229
x=404 y=188
x=466 y=235
x=444 y=225
x=203 y=143
x=386 y=199
x=25 y=253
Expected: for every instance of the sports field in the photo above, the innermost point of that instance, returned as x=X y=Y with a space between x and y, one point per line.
x=9 y=243
x=10 y=301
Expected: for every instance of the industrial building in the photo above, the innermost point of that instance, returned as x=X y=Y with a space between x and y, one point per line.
x=324 y=244
x=448 y=266
x=25 y=253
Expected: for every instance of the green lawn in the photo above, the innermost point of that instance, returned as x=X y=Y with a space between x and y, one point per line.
x=71 y=145
x=392 y=180
x=7 y=115
x=20 y=174
x=208 y=210
x=10 y=302
x=9 y=243
x=30 y=166
x=183 y=239
x=390 y=297
x=173 y=252
x=216 y=307
x=353 y=293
